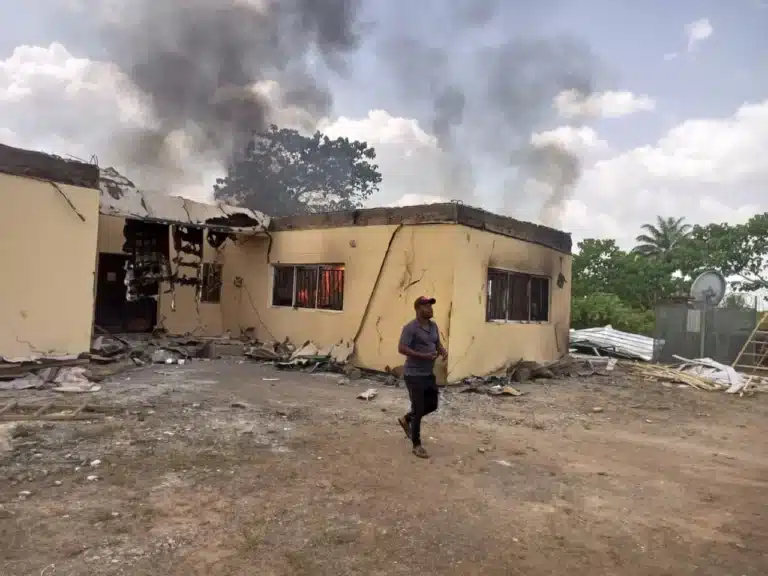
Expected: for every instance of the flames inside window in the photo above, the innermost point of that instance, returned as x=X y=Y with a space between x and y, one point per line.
x=314 y=286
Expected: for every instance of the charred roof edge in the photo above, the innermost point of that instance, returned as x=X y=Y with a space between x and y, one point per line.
x=449 y=213
x=42 y=166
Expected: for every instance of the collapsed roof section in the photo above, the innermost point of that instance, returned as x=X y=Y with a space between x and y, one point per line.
x=121 y=197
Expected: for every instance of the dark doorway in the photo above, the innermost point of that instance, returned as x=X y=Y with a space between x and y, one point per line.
x=113 y=311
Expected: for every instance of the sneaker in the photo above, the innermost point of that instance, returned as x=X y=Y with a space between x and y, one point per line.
x=420 y=452
x=405 y=426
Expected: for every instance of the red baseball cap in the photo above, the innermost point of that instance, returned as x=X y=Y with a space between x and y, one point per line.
x=421 y=300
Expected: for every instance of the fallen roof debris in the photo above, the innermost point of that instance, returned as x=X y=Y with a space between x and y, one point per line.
x=703 y=374
x=500 y=383
x=308 y=357
x=121 y=197
x=606 y=341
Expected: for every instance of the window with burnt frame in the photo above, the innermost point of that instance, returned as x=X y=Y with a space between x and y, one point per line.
x=517 y=297
x=319 y=286
x=210 y=290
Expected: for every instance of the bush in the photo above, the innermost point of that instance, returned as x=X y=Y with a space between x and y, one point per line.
x=601 y=309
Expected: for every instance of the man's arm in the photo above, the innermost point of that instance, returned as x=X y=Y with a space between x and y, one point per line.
x=404 y=347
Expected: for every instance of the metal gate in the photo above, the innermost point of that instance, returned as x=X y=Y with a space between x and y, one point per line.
x=695 y=330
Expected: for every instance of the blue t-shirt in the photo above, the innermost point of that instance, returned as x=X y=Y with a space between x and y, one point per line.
x=424 y=339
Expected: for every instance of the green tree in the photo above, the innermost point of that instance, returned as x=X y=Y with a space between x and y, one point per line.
x=284 y=172
x=601 y=309
x=661 y=238
x=739 y=252
x=602 y=267
x=611 y=286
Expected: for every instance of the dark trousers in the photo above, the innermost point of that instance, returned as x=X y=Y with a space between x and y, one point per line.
x=423 y=392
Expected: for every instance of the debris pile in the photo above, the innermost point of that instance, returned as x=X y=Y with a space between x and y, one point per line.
x=309 y=357
x=606 y=341
x=500 y=383
x=703 y=374
x=161 y=349
x=14 y=411
x=111 y=354
x=66 y=376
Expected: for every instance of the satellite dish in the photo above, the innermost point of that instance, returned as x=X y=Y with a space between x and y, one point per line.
x=709 y=287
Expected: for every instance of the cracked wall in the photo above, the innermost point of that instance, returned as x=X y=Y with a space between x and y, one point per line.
x=446 y=261
x=48 y=260
x=249 y=306
x=480 y=347
x=418 y=261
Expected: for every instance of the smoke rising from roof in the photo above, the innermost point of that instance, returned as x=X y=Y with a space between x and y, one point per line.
x=202 y=64
x=484 y=99
x=476 y=74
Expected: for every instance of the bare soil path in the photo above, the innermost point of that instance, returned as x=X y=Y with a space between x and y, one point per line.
x=227 y=468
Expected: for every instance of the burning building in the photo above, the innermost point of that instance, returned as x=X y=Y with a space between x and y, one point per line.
x=502 y=286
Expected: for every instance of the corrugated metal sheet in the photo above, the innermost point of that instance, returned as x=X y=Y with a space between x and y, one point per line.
x=624 y=343
x=120 y=197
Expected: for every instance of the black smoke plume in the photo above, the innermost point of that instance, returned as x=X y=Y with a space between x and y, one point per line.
x=484 y=81
x=197 y=62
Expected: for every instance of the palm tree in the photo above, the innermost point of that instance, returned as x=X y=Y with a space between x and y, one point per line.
x=661 y=237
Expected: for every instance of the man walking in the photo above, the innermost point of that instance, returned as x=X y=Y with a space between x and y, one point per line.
x=420 y=344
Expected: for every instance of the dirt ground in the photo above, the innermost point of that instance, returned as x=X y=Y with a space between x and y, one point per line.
x=225 y=468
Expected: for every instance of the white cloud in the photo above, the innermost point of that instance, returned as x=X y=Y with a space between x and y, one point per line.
x=697 y=32
x=417 y=199
x=669 y=56
x=581 y=140
x=53 y=101
x=572 y=104
x=407 y=155
x=703 y=169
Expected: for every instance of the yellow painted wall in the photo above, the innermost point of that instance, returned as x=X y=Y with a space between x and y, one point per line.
x=111 y=237
x=189 y=316
x=446 y=261
x=420 y=263
x=48 y=259
x=480 y=347
x=361 y=250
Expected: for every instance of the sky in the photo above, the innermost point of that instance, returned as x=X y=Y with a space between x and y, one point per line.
x=675 y=122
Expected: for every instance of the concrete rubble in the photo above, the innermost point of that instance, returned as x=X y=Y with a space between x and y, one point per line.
x=112 y=354
x=501 y=382
x=309 y=356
